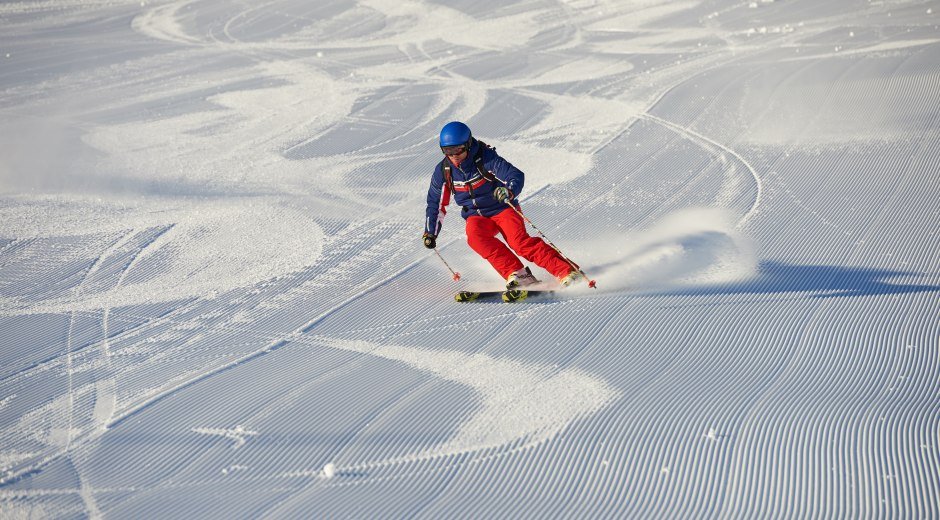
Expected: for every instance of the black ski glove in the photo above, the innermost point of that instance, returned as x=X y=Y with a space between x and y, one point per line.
x=430 y=241
x=502 y=194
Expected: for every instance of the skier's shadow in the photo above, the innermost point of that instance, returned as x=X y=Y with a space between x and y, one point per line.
x=819 y=281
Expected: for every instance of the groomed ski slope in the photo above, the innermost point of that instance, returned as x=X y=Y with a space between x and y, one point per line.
x=214 y=302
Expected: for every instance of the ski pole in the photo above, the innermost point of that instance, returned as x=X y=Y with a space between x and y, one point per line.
x=454 y=273
x=591 y=283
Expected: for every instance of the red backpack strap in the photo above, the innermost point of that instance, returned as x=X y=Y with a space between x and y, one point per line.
x=448 y=178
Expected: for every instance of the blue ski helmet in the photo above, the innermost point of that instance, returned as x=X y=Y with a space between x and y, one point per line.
x=455 y=133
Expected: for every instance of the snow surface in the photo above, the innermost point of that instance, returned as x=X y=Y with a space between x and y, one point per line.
x=214 y=302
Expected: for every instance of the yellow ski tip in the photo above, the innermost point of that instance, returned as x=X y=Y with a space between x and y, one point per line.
x=466 y=296
x=515 y=296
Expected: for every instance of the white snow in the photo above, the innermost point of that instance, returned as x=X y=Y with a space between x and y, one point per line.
x=214 y=302
x=238 y=434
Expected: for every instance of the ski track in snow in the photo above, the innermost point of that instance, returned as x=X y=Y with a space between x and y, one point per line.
x=209 y=284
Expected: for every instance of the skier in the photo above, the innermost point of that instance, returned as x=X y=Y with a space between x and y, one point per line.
x=484 y=185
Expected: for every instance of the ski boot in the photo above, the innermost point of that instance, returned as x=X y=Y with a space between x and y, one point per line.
x=521 y=278
x=571 y=278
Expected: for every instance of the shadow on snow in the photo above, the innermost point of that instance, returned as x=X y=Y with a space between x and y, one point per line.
x=823 y=281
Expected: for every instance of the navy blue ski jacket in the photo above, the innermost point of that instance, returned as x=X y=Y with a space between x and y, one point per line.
x=471 y=190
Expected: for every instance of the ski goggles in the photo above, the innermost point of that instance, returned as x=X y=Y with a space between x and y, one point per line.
x=456 y=149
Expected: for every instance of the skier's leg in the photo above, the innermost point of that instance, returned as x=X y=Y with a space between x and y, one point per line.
x=533 y=249
x=481 y=236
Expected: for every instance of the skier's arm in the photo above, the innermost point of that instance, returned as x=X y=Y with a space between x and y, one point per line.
x=438 y=199
x=509 y=175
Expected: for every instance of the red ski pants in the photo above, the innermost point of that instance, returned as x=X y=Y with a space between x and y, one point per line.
x=481 y=235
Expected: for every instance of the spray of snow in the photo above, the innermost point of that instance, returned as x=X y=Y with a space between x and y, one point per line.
x=691 y=247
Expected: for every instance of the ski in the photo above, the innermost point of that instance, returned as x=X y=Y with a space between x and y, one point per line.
x=509 y=296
